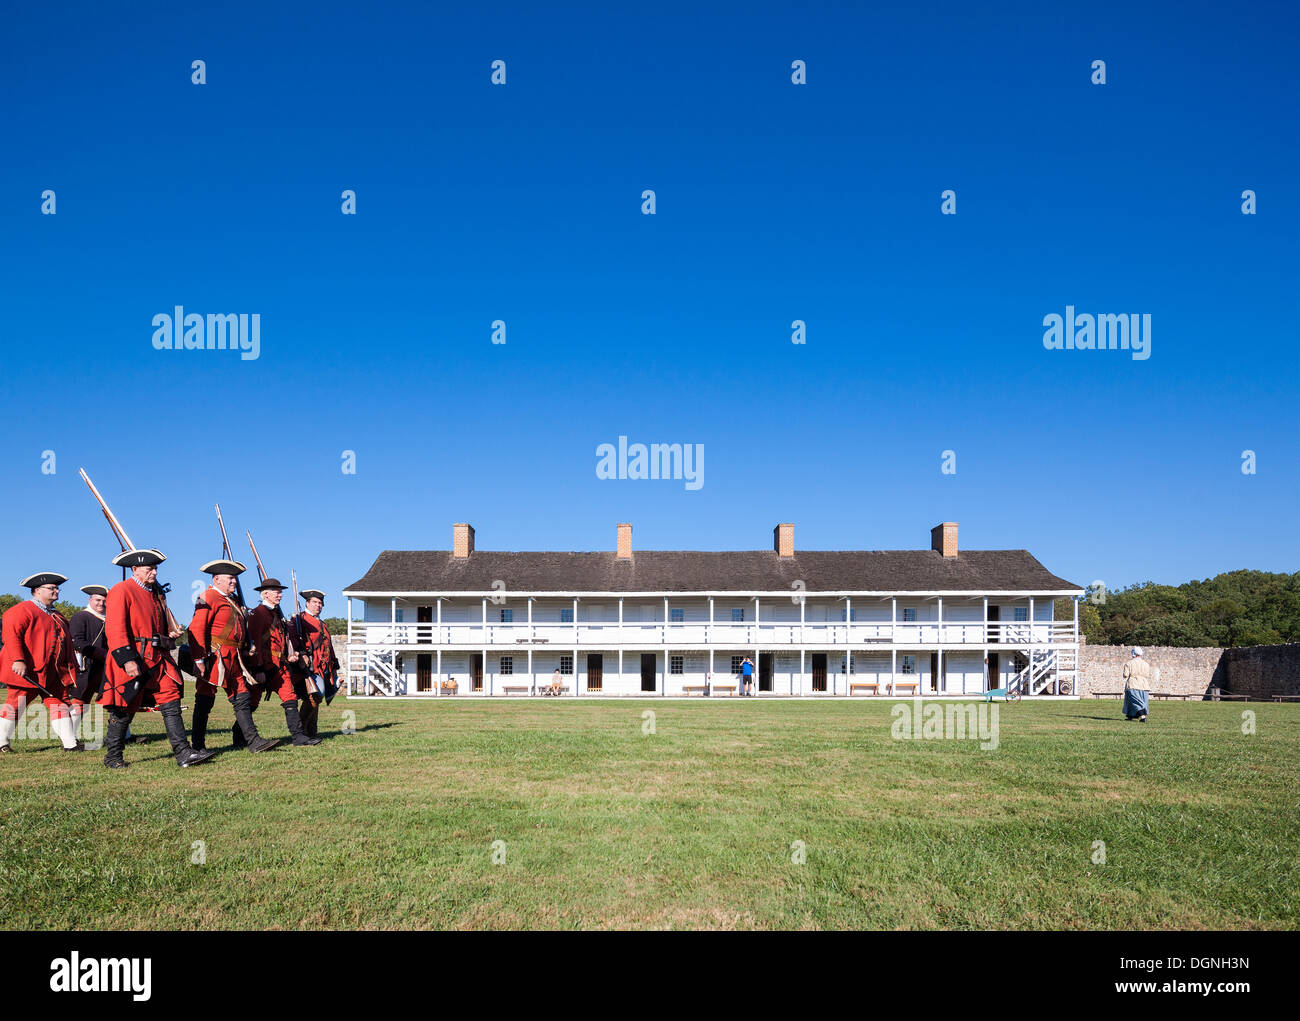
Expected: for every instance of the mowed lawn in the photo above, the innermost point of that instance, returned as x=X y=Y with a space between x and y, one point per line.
x=692 y=826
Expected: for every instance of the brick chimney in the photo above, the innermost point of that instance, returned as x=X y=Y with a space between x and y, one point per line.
x=783 y=540
x=462 y=540
x=624 y=542
x=943 y=538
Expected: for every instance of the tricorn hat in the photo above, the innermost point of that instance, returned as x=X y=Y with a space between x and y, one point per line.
x=43 y=578
x=270 y=583
x=94 y=590
x=231 y=567
x=310 y=593
x=139 y=558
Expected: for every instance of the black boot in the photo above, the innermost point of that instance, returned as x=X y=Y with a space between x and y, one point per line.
x=115 y=738
x=199 y=729
x=244 y=723
x=294 y=722
x=310 y=714
x=185 y=755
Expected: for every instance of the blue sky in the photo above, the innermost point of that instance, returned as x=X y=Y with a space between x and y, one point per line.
x=775 y=202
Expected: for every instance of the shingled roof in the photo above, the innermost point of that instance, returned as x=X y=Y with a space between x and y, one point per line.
x=975 y=571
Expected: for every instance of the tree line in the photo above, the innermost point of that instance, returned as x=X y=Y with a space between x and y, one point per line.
x=1233 y=609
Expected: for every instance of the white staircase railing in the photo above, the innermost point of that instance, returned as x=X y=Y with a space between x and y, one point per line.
x=369 y=668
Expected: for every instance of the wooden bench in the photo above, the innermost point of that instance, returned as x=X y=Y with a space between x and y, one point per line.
x=447 y=687
x=1285 y=698
x=874 y=686
x=725 y=687
x=914 y=685
x=544 y=690
x=513 y=688
x=688 y=688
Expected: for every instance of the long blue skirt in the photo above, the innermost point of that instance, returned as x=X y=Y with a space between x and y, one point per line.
x=1135 y=703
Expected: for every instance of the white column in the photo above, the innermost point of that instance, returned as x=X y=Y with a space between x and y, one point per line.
x=666 y=663
x=575 y=668
x=487 y=690
x=620 y=664
x=802 y=670
x=575 y=642
x=349 y=665
x=758 y=652
x=437 y=690
x=986 y=621
x=1032 y=637
x=803 y=600
x=893 y=620
x=531 y=633
x=665 y=638
x=939 y=618
x=940 y=686
x=893 y=669
x=532 y=677
x=708 y=636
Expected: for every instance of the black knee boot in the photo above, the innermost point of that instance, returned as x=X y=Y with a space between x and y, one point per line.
x=185 y=755
x=115 y=738
x=294 y=722
x=310 y=714
x=244 y=724
x=199 y=731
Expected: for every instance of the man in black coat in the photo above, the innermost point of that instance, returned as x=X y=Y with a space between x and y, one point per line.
x=91 y=644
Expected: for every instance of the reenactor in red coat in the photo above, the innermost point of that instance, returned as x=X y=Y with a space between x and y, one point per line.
x=36 y=661
x=141 y=632
x=312 y=641
x=220 y=633
x=272 y=655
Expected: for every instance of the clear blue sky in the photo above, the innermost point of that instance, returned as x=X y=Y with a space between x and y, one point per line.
x=775 y=202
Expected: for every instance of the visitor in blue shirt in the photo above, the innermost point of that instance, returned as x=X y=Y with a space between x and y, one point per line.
x=747 y=677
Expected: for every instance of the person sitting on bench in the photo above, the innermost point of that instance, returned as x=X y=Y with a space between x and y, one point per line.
x=555 y=686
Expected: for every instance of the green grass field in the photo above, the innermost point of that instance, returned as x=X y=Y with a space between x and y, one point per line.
x=393 y=826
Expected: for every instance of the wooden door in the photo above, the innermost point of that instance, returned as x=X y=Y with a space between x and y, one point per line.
x=994 y=617
x=765 y=671
x=476 y=671
x=595 y=671
x=995 y=672
x=648 y=671
x=819 y=671
x=424 y=672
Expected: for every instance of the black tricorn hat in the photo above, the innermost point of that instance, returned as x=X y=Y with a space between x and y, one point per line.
x=270 y=583
x=139 y=558
x=231 y=567
x=309 y=593
x=94 y=590
x=43 y=578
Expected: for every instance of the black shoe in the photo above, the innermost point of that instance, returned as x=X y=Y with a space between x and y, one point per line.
x=5 y=750
x=244 y=723
x=199 y=727
x=80 y=746
x=185 y=755
x=115 y=738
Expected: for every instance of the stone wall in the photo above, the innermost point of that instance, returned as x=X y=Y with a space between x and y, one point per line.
x=1182 y=671
x=1263 y=670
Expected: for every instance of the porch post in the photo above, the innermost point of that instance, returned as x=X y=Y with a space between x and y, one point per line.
x=575 y=668
x=708 y=634
x=575 y=641
x=1032 y=639
x=532 y=677
x=893 y=670
x=802 y=669
x=350 y=645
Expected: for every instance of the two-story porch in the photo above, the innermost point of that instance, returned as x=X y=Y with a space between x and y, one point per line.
x=669 y=640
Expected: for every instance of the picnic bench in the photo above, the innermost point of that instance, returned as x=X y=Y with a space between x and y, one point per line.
x=1286 y=698
x=510 y=689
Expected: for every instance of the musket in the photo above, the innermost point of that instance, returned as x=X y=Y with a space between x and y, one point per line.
x=125 y=542
x=309 y=657
x=119 y=532
x=225 y=552
x=261 y=574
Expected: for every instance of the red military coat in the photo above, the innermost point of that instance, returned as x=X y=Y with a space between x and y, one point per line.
x=133 y=617
x=316 y=640
x=269 y=640
x=219 y=628
x=43 y=642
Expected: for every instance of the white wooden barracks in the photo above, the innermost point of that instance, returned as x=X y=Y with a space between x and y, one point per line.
x=823 y=623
